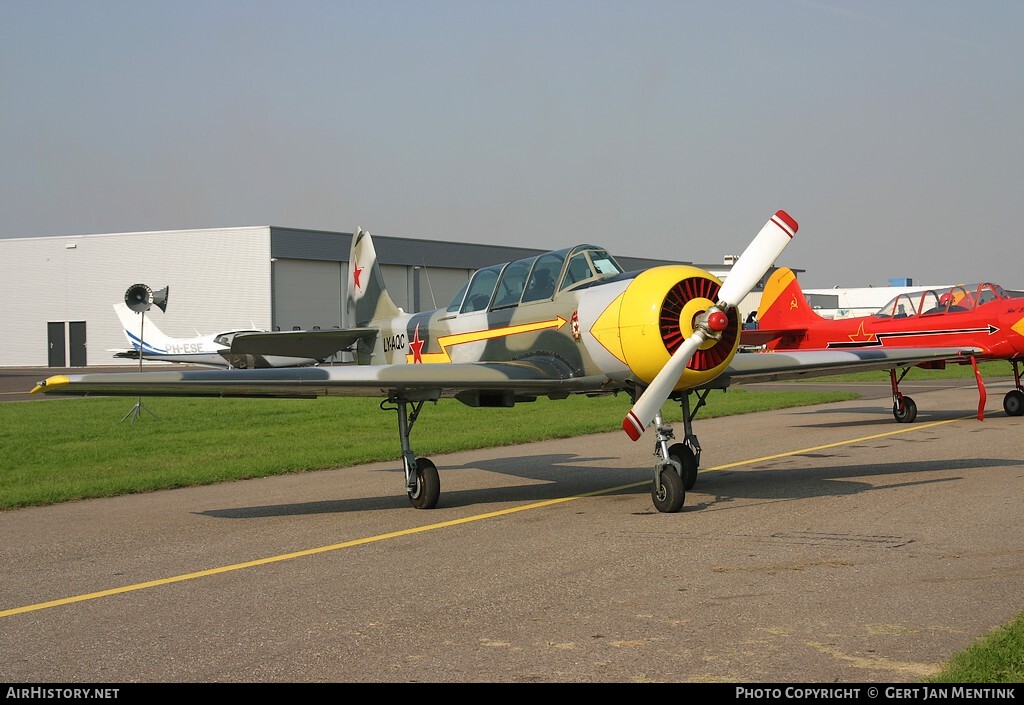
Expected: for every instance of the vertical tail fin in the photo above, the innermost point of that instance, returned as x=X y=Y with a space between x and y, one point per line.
x=783 y=304
x=368 y=299
x=155 y=340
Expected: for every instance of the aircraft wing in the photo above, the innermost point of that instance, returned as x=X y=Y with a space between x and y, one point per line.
x=316 y=344
x=747 y=368
x=537 y=376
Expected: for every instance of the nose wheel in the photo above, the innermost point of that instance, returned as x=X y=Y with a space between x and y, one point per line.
x=668 y=493
x=675 y=473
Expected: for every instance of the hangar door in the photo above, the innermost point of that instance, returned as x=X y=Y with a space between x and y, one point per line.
x=64 y=338
x=307 y=293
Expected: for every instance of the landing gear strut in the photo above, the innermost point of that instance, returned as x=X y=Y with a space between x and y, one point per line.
x=422 y=483
x=904 y=410
x=675 y=472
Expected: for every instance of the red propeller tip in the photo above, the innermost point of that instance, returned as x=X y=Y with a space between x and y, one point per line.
x=632 y=426
x=787 y=221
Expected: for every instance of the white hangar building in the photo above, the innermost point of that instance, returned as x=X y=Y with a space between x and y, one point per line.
x=57 y=292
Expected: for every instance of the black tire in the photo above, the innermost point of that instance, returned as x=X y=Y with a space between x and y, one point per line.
x=905 y=410
x=668 y=493
x=428 y=485
x=1013 y=402
x=681 y=453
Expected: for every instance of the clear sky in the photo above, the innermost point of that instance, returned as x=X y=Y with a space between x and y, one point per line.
x=891 y=130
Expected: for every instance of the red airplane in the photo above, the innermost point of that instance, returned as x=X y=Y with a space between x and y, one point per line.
x=984 y=319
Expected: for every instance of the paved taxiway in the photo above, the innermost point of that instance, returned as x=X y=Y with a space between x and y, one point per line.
x=819 y=544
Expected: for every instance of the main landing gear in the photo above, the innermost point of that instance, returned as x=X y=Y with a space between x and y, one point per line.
x=422 y=483
x=1013 y=402
x=904 y=410
x=675 y=471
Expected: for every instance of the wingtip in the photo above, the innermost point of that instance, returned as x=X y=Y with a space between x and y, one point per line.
x=54 y=381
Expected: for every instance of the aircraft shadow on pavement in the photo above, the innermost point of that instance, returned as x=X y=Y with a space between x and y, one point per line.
x=563 y=475
x=784 y=484
x=885 y=417
x=552 y=471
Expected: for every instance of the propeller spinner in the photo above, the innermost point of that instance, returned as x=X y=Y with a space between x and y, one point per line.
x=748 y=270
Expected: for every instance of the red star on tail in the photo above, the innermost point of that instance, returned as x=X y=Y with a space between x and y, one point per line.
x=416 y=346
x=356 y=271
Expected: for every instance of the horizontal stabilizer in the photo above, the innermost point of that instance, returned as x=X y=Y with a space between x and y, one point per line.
x=756 y=337
x=316 y=344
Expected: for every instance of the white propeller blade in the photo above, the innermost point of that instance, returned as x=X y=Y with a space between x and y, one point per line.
x=646 y=407
x=763 y=250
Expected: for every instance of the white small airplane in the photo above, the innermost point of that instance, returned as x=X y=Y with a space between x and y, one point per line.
x=237 y=349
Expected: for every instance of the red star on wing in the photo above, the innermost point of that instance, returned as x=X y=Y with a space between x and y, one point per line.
x=356 y=271
x=416 y=346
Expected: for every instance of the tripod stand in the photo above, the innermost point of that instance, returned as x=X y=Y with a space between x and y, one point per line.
x=139 y=407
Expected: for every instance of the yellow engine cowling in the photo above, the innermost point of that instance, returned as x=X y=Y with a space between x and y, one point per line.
x=656 y=314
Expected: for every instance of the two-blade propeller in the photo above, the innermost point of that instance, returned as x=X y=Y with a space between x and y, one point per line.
x=748 y=270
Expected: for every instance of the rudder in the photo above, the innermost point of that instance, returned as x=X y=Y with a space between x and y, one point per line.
x=135 y=329
x=783 y=304
x=368 y=299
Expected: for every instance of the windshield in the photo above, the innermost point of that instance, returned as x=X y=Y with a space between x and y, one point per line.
x=533 y=278
x=456 y=303
x=587 y=263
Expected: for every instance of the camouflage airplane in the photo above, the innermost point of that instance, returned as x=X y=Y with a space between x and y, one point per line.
x=565 y=322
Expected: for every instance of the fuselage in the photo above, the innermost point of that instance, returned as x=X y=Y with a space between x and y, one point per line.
x=983 y=317
x=619 y=325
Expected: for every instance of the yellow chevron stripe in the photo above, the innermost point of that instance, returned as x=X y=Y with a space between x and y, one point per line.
x=449 y=341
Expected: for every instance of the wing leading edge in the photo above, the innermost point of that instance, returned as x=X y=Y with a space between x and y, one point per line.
x=536 y=376
x=318 y=344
